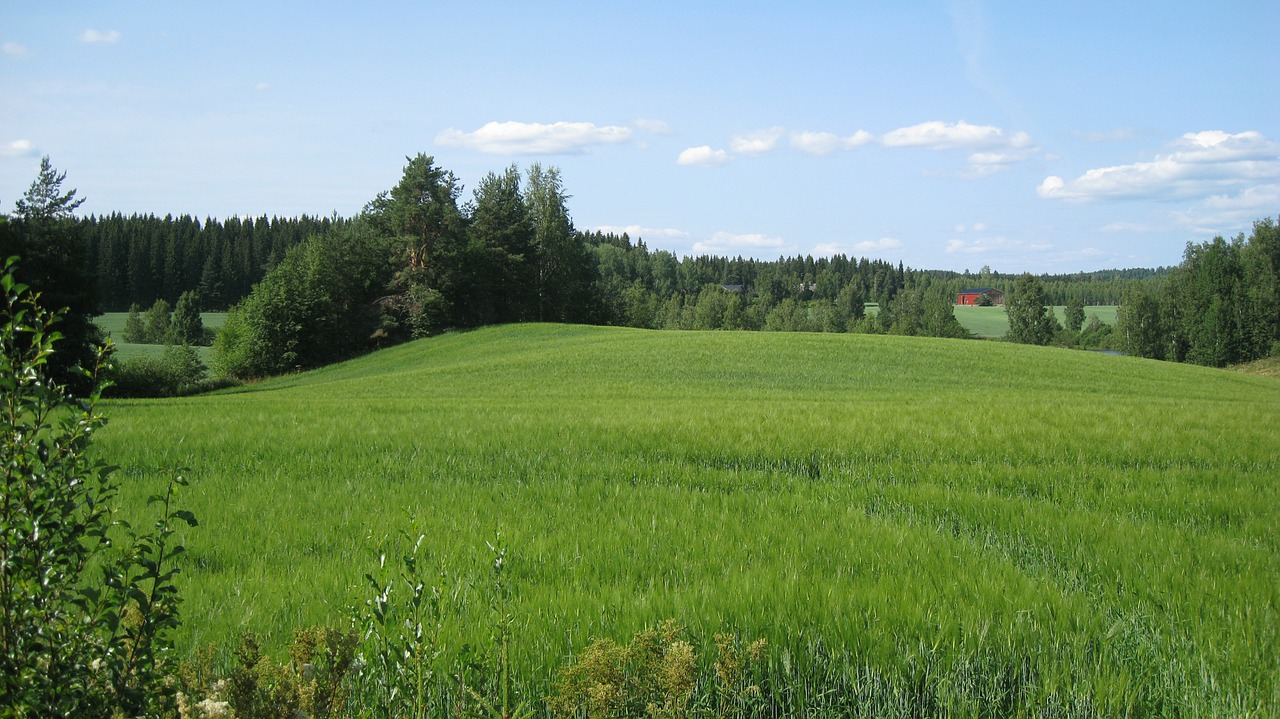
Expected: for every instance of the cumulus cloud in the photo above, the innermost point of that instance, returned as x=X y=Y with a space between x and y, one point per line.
x=937 y=135
x=531 y=138
x=13 y=49
x=1199 y=164
x=656 y=127
x=993 y=149
x=825 y=143
x=1252 y=200
x=982 y=164
x=702 y=156
x=92 y=36
x=18 y=148
x=988 y=245
x=750 y=245
x=640 y=231
x=1228 y=214
x=884 y=243
x=755 y=143
x=867 y=247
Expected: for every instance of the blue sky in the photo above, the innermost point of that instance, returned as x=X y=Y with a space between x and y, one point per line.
x=1043 y=137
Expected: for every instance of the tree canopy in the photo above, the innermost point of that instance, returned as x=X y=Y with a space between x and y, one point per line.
x=1030 y=321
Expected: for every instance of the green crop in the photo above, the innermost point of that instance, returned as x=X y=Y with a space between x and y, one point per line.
x=991 y=522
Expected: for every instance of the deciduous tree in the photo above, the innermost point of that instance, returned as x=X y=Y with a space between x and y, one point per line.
x=564 y=271
x=1030 y=322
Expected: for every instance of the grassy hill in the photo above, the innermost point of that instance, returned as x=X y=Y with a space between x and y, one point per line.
x=935 y=518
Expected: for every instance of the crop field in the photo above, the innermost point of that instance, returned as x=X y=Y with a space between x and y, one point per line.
x=990 y=322
x=112 y=323
x=976 y=525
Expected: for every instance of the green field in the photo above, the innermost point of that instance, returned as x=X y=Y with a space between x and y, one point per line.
x=903 y=517
x=990 y=322
x=113 y=324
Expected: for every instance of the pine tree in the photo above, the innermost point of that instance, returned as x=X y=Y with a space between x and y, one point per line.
x=45 y=201
x=56 y=260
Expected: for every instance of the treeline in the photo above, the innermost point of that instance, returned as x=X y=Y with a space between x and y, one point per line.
x=1221 y=306
x=144 y=258
x=417 y=261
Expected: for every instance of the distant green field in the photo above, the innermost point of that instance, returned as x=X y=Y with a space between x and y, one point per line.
x=113 y=324
x=994 y=321
x=925 y=518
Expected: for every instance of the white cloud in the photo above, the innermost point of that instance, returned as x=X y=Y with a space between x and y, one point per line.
x=992 y=148
x=755 y=143
x=884 y=244
x=656 y=127
x=982 y=164
x=96 y=36
x=1199 y=164
x=531 y=138
x=638 y=231
x=702 y=156
x=937 y=135
x=751 y=245
x=18 y=148
x=1229 y=214
x=13 y=49
x=825 y=143
x=1252 y=200
x=988 y=245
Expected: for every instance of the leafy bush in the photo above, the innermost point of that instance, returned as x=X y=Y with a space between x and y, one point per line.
x=87 y=605
x=657 y=675
x=313 y=683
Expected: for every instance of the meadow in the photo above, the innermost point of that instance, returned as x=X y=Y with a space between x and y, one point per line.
x=112 y=323
x=991 y=322
x=966 y=529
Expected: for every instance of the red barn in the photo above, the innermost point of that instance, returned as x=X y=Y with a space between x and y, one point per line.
x=972 y=296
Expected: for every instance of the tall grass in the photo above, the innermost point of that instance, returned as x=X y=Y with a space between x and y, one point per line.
x=908 y=520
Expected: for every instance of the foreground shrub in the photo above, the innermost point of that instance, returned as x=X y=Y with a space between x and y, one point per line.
x=87 y=606
x=313 y=683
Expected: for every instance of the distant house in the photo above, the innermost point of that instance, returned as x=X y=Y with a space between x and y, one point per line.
x=736 y=289
x=974 y=295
